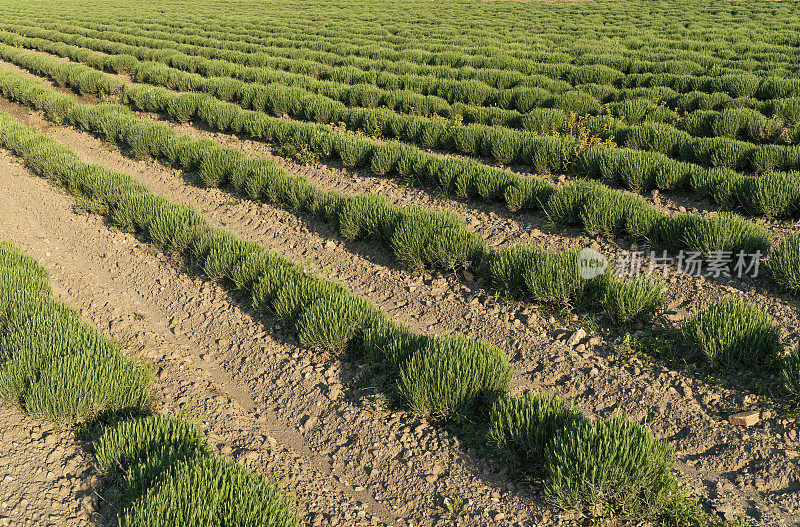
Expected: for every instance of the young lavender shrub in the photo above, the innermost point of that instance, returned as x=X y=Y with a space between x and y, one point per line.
x=552 y=278
x=219 y=165
x=628 y=301
x=735 y=333
x=265 y=288
x=212 y=491
x=367 y=216
x=135 y=212
x=567 y=203
x=454 y=374
x=223 y=257
x=773 y=195
x=610 y=211
x=506 y=268
x=726 y=232
x=353 y=150
x=790 y=371
x=522 y=426
x=331 y=322
x=784 y=263
x=19 y=272
x=385 y=157
x=292 y=298
x=528 y=194
x=53 y=366
x=168 y=475
x=434 y=239
x=134 y=452
x=173 y=226
x=612 y=468
x=388 y=344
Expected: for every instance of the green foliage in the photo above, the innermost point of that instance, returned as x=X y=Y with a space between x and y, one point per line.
x=522 y=426
x=386 y=156
x=506 y=268
x=634 y=300
x=368 y=215
x=528 y=194
x=19 y=272
x=52 y=365
x=136 y=451
x=168 y=476
x=330 y=322
x=576 y=101
x=790 y=371
x=608 y=468
x=784 y=263
x=553 y=278
x=267 y=286
x=761 y=130
x=389 y=343
x=565 y=205
x=734 y=122
x=788 y=110
x=610 y=211
x=424 y=238
x=543 y=120
x=454 y=374
x=224 y=256
x=292 y=298
x=354 y=151
x=211 y=491
x=726 y=232
x=734 y=333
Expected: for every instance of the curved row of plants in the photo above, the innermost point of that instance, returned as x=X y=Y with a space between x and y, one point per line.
x=502 y=106
x=440 y=241
x=254 y=37
x=421 y=238
x=665 y=144
x=439 y=376
x=770 y=122
x=418 y=238
x=645 y=34
x=55 y=367
x=737 y=84
x=773 y=195
x=330 y=49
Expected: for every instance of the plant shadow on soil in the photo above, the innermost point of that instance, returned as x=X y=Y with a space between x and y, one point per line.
x=362 y=387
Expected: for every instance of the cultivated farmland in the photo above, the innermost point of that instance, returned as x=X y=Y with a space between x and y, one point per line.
x=411 y=263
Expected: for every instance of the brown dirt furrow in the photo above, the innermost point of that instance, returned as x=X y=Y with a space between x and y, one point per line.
x=346 y=464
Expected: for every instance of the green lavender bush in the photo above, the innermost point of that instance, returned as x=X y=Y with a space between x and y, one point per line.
x=735 y=333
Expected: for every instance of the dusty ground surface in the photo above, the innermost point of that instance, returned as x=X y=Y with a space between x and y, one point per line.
x=395 y=461
x=45 y=475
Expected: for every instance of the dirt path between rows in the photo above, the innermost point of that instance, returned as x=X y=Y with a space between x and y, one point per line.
x=734 y=470
x=281 y=410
